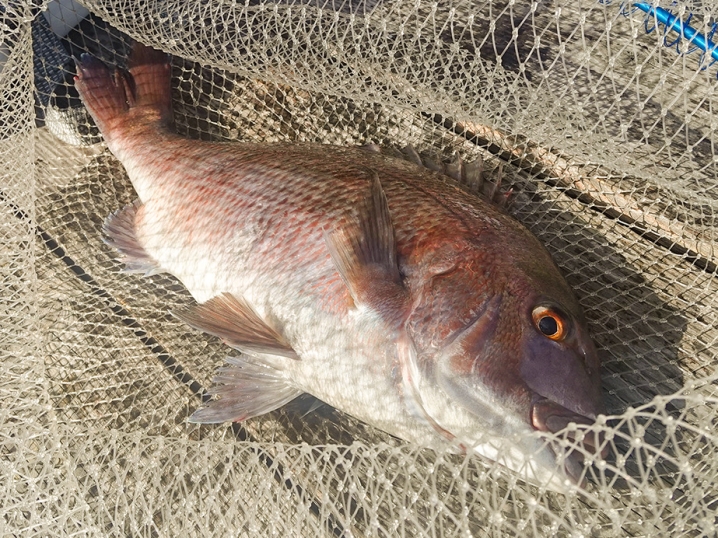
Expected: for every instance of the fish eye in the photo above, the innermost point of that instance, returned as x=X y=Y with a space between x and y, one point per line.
x=550 y=322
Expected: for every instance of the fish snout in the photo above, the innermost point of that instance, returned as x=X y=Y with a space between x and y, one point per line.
x=548 y=416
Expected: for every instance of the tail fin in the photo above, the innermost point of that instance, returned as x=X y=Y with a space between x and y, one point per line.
x=150 y=70
x=104 y=96
x=144 y=92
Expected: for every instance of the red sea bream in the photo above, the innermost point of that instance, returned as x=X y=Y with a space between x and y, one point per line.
x=377 y=285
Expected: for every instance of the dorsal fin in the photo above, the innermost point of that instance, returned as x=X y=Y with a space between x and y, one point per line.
x=470 y=175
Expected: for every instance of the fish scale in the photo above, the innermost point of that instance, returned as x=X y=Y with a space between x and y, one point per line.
x=377 y=285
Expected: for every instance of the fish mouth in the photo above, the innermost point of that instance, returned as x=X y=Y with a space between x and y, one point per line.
x=548 y=416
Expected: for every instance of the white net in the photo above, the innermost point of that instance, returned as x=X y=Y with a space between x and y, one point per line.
x=603 y=120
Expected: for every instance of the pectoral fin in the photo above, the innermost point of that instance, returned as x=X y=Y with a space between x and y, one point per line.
x=364 y=252
x=236 y=322
x=120 y=233
x=247 y=388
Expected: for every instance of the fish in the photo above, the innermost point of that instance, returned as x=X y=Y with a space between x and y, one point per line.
x=377 y=284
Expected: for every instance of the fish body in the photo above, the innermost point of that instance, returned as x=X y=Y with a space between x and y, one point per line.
x=374 y=284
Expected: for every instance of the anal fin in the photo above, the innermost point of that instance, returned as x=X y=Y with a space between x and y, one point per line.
x=246 y=389
x=119 y=232
x=237 y=324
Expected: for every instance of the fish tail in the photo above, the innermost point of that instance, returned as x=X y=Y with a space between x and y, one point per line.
x=103 y=93
x=150 y=70
x=113 y=97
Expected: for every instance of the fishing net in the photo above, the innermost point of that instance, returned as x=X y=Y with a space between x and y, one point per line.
x=600 y=114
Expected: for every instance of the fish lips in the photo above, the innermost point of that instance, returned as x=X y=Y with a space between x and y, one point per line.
x=551 y=417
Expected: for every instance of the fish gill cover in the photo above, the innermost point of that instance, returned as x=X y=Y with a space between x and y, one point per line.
x=606 y=136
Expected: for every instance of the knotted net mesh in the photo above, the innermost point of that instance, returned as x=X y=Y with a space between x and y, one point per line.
x=600 y=117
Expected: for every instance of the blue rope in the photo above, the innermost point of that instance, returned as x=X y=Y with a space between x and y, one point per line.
x=682 y=28
x=673 y=23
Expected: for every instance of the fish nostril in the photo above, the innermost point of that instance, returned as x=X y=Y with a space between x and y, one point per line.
x=585 y=359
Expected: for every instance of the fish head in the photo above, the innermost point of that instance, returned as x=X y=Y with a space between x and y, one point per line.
x=507 y=348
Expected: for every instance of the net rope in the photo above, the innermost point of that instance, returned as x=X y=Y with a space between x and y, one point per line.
x=605 y=129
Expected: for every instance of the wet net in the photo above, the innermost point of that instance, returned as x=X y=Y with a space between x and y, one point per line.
x=600 y=114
